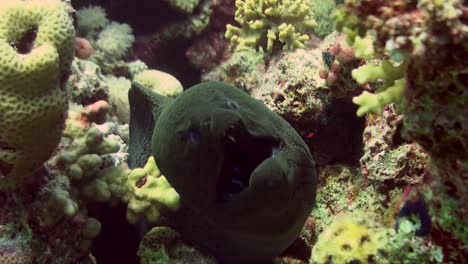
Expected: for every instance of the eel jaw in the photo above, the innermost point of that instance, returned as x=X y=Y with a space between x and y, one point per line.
x=243 y=153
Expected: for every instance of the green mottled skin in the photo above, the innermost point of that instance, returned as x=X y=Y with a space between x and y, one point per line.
x=258 y=223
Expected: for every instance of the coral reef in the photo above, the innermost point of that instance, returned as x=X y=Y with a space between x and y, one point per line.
x=86 y=83
x=245 y=70
x=218 y=169
x=211 y=48
x=150 y=192
x=386 y=155
x=118 y=98
x=264 y=23
x=323 y=14
x=418 y=45
x=339 y=61
x=184 y=6
x=115 y=40
x=355 y=238
x=110 y=41
x=292 y=88
x=165 y=245
x=36 y=48
x=91 y=20
x=159 y=82
x=349 y=240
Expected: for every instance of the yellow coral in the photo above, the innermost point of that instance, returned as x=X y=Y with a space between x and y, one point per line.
x=350 y=239
x=150 y=192
x=36 y=49
x=265 y=21
x=160 y=82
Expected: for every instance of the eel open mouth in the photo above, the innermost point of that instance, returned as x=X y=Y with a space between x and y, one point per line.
x=243 y=152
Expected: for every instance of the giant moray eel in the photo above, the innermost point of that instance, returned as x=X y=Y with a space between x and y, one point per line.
x=247 y=180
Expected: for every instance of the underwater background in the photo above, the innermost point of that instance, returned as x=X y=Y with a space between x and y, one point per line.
x=233 y=131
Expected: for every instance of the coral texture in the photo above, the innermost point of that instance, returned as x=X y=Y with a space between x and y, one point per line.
x=37 y=41
x=159 y=82
x=264 y=22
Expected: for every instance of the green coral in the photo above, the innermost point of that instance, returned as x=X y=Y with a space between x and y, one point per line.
x=323 y=13
x=86 y=83
x=159 y=82
x=391 y=90
x=405 y=247
x=150 y=193
x=90 y=20
x=118 y=97
x=31 y=98
x=184 y=6
x=114 y=41
x=89 y=153
x=264 y=22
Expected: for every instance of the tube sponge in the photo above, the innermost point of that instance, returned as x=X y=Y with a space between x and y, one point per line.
x=37 y=42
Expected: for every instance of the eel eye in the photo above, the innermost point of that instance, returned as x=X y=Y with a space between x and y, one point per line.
x=194 y=137
x=233 y=105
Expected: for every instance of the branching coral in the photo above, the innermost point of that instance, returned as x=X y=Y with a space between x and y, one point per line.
x=90 y=151
x=184 y=6
x=263 y=22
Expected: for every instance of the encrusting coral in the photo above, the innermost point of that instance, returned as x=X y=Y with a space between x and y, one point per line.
x=165 y=245
x=354 y=238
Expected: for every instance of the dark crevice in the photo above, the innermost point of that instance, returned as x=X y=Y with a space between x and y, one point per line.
x=5 y=168
x=398 y=139
x=26 y=43
x=5 y=147
x=243 y=152
x=118 y=240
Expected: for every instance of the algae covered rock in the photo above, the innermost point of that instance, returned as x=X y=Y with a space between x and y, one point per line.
x=37 y=42
x=246 y=179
